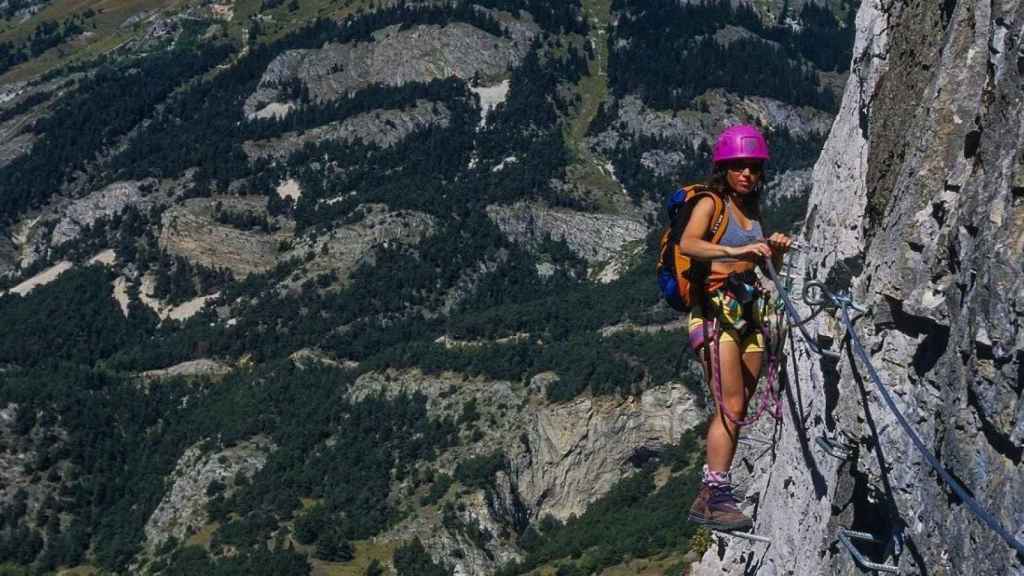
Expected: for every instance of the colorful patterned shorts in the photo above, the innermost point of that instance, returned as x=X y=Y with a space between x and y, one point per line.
x=737 y=322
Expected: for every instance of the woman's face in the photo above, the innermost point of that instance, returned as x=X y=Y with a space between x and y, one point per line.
x=743 y=175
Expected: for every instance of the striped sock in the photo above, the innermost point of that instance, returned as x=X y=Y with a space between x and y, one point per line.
x=716 y=479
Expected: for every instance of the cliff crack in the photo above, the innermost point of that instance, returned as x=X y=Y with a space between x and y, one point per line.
x=936 y=336
x=1000 y=441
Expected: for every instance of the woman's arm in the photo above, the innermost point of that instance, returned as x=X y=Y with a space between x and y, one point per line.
x=695 y=246
x=780 y=244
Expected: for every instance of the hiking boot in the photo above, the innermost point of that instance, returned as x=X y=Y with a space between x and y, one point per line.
x=715 y=507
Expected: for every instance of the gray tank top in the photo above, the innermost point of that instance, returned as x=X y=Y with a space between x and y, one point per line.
x=736 y=235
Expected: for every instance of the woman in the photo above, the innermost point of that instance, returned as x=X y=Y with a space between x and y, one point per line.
x=734 y=308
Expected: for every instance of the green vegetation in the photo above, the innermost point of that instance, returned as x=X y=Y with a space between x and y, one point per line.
x=73 y=320
x=104 y=108
x=177 y=112
x=111 y=467
x=634 y=520
x=412 y=560
x=669 y=55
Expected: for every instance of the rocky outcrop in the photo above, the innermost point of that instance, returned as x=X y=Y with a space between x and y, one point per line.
x=202 y=368
x=788 y=186
x=394 y=57
x=65 y=221
x=343 y=249
x=572 y=453
x=102 y=203
x=380 y=127
x=191 y=230
x=691 y=128
x=917 y=210
x=16 y=136
x=561 y=457
x=183 y=510
x=593 y=237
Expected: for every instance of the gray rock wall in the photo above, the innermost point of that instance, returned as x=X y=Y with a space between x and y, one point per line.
x=562 y=456
x=182 y=511
x=381 y=127
x=917 y=208
x=394 y=57
x=593 y=237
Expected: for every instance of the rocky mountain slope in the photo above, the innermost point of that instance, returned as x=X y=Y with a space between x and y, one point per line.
x=916 y=211
x=371 y=291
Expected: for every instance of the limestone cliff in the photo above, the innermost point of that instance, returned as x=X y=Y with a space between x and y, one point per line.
x=916 y=208
x=200 y=474
x=394 y=57
x=593 y=237
x=381 y=127
x=561 y=457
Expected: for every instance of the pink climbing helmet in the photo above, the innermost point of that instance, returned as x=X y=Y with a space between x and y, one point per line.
x=740 y=142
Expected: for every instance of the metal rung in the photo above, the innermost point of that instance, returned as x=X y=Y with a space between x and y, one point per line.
x=745 y=536
x=833 y=448
x=845 y=536
x=754 y=440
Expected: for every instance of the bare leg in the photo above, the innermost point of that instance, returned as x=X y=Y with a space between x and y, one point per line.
x=739 y=379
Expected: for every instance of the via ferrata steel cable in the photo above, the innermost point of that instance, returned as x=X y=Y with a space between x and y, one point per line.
x=845 y=304
x=983 y=514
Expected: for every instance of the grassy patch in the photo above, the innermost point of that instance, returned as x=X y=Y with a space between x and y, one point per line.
x=102 y=33
x=203 y=537
x=668 y=565
x=366 y=551
x=588 y=171
x=279 y=21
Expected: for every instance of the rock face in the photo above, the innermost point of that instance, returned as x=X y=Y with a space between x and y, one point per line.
x=204 y=367
x=576 y=451
x=191 y=230
x=918 y=210
x=695 y=127
x=16 y=137
x=183 y=509
x=64 y=222
x=345 y=248
x=561 y=457
x=394 y=57
x=103 y=203
x=381 y=127
x=593 y=237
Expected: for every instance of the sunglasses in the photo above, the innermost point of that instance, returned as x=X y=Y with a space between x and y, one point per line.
x=754 y=167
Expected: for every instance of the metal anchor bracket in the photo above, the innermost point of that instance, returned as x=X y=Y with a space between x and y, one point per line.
x=745 y=536
x=834 y=448
x=845 y=536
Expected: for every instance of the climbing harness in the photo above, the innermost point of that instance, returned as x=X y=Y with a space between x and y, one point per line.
x=844 y=304
x=712 y=333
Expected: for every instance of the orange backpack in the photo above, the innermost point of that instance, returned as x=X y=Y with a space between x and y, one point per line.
x=680 y=278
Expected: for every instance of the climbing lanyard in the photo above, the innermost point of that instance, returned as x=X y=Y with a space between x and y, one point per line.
x=711 y=334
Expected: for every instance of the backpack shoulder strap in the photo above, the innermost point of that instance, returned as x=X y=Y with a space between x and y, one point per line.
x=718 y=220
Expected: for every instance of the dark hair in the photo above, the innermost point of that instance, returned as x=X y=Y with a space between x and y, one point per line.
x=751 y=202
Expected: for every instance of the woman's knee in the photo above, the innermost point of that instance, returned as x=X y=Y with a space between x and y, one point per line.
x=736 y=406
